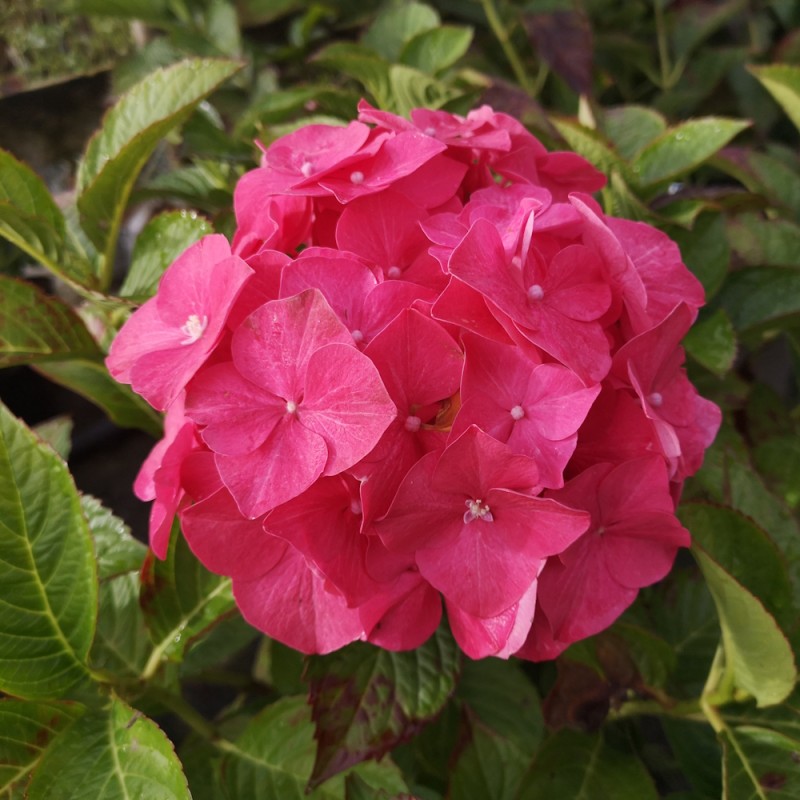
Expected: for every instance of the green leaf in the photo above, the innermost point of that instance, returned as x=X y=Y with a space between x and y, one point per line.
x=577 y=766
x=152 y=11
x=712 y=343
x=116 y=551
x=761 y=242
x=410 y=88
x=761 y=297
x=26 y=729
x=181 y=599
x=783 y=83
x=366 y=699
x=779 y=460
x=274 y=756
x=56 y=432
x=131 y=130
x=30 y=219
x=207 y=185
x=502 y=698
x=490 y=767
x=396 y=25
x=362 y=64
x=91 y=380
x=591 y=145
x=683 y=148
x=745 y=551
x=161 y=241
x=760 y=764
x=35 y=327
x=114 y=753
x=705 y=250
x=48 y=585
x=433 y=51
x=221 y=643
x=630 y=128
x=121 y=645
x=755 y=648
x=698 y=753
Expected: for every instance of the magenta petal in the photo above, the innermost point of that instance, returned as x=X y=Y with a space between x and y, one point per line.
x=235 y=415
x=226 y=542
x=288 y=462
x=291 y=603
x=273 y=345
x=499 y=636
x=346 y=404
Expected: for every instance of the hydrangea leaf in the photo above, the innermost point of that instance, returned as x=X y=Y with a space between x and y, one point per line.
x=91 y=380
x=490 y=766
x=57 y=432
x=434 y=50
x=632 y=127
x=130 y=132
x=116 y=551
x=26 y=729
x=591 y=145
x=683 y=148
x=783 y=83
x=121 y=645
x=274 y=757
x=706 y=251
x=396 y=25
x=48 y=583
x=35 y=327
x=367 y=700
x=760 y=764
x=761 y=242
x=111 y=754
x=572 y=766
x=161 y=241
x=181 y=599
x=755 y=647
x=30 y=219
x=761 y=296
x=152 y=11
x=746 y=552
x=712 y=342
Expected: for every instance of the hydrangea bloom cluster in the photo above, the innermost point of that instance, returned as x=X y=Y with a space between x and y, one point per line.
x=429 y=371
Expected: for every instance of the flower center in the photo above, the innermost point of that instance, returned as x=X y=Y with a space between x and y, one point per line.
x=355 y=507
x=356 y=177
x=655 y=399
x=394 y=272
x=412 y=424
x=535 y=292
x=306 y=169
x=193 y=328
x=291 y=407
x=358 y=337
x=518 y=412
x=477 y=509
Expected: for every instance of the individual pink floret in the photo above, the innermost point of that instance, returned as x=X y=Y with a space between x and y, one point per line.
x=167 y=340
x=297 y=401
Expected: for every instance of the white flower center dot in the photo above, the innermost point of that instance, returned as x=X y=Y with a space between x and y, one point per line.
x=358 y=337
x=655 y=399
x=355 y=507
x=518 y=412
x=535 y=292
x=430 y=131
x=394 y=272
x=413 y=424
x=291 y=406
x=193 y=328
x=306 y=168
x=477 y=509
x=356 y=177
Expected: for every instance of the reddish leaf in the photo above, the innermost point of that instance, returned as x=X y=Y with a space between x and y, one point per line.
x=564 y=40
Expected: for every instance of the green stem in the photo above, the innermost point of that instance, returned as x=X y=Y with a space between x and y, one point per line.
x=663 y=49
x=501 y=34
x=685 y=709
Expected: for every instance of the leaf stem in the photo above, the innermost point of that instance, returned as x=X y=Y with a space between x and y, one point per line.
x=501 y=34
